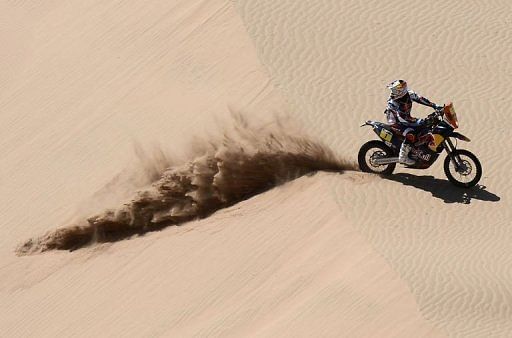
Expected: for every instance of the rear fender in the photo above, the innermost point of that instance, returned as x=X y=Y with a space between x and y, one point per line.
x=383 y=132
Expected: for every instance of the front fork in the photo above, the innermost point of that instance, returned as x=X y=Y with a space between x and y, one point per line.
x=450 y=149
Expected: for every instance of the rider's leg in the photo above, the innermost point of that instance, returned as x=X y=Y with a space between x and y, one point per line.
x=405 y=149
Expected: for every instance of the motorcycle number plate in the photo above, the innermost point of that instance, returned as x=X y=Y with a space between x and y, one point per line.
x=386 y=135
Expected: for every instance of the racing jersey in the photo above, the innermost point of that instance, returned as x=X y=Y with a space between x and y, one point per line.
x=398 y=110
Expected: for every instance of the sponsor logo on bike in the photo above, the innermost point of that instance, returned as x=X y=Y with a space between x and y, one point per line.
x=421 y=155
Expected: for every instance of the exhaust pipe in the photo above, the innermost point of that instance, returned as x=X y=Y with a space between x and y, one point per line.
x=385 y=160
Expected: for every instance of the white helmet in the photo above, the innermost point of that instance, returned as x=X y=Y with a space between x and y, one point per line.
x=398 y=89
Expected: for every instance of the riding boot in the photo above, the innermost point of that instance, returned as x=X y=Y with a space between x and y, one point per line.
x=403 y=158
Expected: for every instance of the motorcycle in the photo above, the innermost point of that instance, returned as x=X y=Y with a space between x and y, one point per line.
x=462 y=168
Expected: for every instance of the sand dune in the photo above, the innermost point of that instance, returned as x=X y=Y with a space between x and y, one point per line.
x=332 y=60
x=327 y=254
x=242 y=271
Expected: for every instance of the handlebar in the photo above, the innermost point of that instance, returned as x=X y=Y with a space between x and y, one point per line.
x=435 y=116
x=438 y=112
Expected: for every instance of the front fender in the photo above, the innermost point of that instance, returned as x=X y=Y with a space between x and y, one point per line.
x=459 y=136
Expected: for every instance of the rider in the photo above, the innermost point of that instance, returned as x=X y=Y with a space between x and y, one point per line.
x=399 y=116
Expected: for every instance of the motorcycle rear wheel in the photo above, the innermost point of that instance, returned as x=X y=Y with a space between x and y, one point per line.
x=466 y=177
x=371 y=150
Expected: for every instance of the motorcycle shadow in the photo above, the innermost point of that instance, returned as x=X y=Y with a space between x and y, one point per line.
x=444 y=190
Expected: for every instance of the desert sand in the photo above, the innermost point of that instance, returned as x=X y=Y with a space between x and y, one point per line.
x=98 y=100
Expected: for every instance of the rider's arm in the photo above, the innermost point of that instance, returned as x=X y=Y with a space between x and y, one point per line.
x=421 y=100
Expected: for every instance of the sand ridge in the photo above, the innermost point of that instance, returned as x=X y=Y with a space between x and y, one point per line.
x=323 y=255
x=332 y=60
x=295 y=275
x=92 y=79
x=100 y=76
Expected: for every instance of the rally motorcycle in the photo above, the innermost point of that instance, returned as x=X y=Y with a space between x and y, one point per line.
x=461 y=166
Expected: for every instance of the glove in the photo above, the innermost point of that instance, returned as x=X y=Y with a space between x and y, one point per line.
x=430 y=119
x=425 y=121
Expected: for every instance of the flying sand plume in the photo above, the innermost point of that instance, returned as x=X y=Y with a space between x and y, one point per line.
x=245 y=162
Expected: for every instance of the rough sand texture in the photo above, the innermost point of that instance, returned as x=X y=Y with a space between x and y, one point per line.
x=332 y=60
x=324 y=255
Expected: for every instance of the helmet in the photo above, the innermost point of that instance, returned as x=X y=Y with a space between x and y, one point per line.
x=398 y=88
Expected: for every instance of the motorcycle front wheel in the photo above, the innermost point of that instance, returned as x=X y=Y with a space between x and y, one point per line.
x=467 y=173
x=369 y=152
